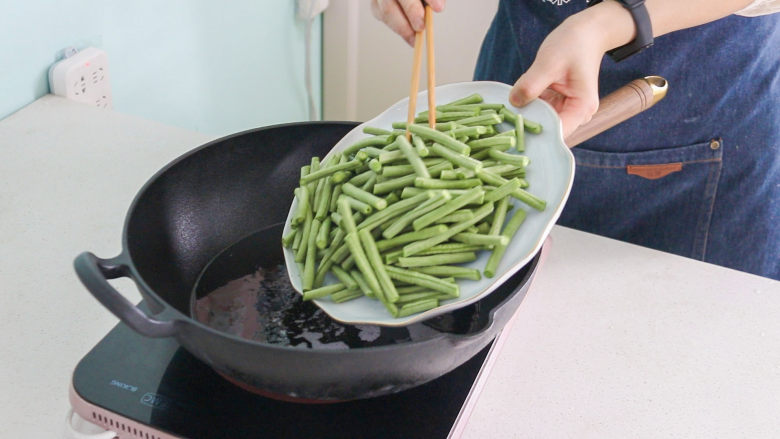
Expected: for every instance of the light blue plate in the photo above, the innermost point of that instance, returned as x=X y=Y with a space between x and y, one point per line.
x=550 y=176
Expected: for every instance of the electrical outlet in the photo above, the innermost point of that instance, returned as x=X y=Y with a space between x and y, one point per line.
x=83 y=77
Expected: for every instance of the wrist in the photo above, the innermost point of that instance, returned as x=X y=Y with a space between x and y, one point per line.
x=608 y=24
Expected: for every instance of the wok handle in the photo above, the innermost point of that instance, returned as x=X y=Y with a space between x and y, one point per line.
x=94 y=274
x=623 y=103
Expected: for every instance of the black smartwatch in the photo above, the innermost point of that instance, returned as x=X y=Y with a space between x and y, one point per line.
x=644 y=29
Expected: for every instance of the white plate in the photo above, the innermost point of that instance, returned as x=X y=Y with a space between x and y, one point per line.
x=550 y=176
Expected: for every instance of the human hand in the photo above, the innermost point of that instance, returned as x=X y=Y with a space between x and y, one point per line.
x=566 y=68
x=404 y=17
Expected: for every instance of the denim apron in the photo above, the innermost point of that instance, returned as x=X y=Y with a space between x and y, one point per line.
x=699 y=173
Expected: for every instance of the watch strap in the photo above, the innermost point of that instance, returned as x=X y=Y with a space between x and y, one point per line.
x=644 y=29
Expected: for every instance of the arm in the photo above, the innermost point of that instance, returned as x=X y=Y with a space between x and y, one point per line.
x=566 y=75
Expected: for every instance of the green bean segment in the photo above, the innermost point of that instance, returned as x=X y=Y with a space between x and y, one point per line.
x=486 y=119
x=450 y=271
x=401 y=223
x=512 y=159
x=497 y=142
x=455 y=158
x=433 y=183
x=345 y=295
x=411 y=237
x=359 y=194
x=321 y=292
x=503 y=191
x=330 y=170
x=448 y=208
x=375 y=260
x=413 y=157
x=381 y=140
x=498 y=251
x=475 y=98
x=440 y=138
x=375 y=131
x=418 y=246
x=416 y=307
x=424 y=261
x=361 y=260
x=344 y=277
x=424 y=280
x=480 y=239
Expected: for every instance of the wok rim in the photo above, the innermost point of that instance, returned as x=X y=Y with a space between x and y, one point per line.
x=179 y=318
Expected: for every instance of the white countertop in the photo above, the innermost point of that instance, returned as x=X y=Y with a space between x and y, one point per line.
x=613 y=340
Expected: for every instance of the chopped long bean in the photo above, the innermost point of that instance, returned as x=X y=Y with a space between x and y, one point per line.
x=393 y=210
x=499 y=216
x=486 y=119
x=479 y=239
x=363 y=265
x=413 y=157
x=346 y=295
x=456 y=216
x=411 y=237
x=503 y=191
x=449 y=207
x=401 y=223
x=330 y=170
x=300 y=256
x=502 y=143
x=452 y=247
x=375 y=260
x=475 y=98
x=433 y=183
x=425 y=294
x=512 y=159
x=520 y=194
x=532 y=127
x=363 y=196
x=287 y=240
x=311 y=252
x=416 y=247
x=302 y=194
x=375 y=131
x=380 y=140
x=498 y=251
x=455 y=158
x=444 y=259
x=417 y=307
x=450 y=271
x=324 y=201
x=424 y=280
x=361 y=283
x=440 y=138
x=323 y=234
x=344 y=277
x=321 y=292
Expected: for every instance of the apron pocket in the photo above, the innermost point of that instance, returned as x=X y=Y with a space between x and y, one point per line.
x=661 y=198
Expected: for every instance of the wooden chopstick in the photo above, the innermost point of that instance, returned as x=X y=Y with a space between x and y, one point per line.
x=431 y=67
x=416 y=64
x=418 y=37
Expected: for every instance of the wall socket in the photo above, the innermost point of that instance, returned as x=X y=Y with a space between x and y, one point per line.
x=83 y=77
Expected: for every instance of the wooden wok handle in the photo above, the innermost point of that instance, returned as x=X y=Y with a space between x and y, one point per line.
x=624 y=103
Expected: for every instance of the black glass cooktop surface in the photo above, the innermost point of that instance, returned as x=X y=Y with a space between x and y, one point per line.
x=159 y=384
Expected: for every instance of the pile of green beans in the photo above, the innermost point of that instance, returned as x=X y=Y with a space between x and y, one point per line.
x=391 y=216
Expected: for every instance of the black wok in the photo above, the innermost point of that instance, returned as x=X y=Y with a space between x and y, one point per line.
x=210 y=198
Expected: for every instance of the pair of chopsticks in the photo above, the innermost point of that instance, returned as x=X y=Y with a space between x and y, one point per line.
x=418 y=37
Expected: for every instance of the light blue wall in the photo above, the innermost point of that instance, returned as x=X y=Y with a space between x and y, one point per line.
x=216 y=66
